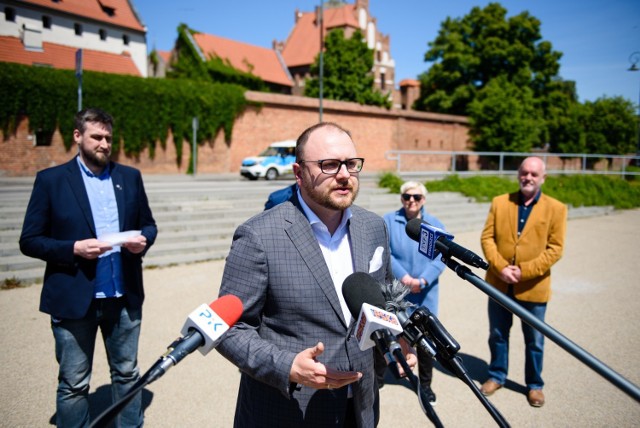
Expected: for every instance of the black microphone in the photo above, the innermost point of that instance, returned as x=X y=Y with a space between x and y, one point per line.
x=374 y=326
x=431 y=238
x=419 y=326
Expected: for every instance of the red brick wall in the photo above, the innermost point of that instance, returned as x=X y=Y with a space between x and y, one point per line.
x=279 y=117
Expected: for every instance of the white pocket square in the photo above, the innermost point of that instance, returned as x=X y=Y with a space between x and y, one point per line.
x=376 y=260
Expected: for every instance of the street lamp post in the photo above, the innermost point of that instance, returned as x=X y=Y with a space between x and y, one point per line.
x=634 y=59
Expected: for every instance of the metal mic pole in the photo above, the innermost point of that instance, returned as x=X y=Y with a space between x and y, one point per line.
x=596 y=365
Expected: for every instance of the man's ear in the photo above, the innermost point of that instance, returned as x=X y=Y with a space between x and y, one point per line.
x=297 y=172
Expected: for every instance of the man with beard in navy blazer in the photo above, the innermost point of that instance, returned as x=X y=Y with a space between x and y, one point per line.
x=301 y=364
x=89 y=283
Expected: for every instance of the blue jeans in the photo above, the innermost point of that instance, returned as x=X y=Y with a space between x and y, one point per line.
x=75 y=343
x=500 y=321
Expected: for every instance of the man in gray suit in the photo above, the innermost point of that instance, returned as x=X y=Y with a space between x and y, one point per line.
x=301 y=365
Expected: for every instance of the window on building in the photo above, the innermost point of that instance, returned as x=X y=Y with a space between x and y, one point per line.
x=103 y=34
x=46 y=22
x=383 y=81
x=9 y=14
x=125 y=39
x=78 y=29
x=43 y=138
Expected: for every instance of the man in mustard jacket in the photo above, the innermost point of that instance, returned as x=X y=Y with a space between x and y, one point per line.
x=522 y=238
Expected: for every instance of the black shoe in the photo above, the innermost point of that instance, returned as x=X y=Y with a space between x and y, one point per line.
x=430 y=395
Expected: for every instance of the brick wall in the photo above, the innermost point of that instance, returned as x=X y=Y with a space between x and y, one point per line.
x=279 y=117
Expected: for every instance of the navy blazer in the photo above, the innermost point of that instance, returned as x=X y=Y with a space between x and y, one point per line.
x=59 y=214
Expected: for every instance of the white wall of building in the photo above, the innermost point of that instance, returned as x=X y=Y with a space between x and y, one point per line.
x=29 y=21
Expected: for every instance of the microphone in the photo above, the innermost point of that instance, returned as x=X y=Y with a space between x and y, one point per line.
x=202 y=330
x=365 y=302
x=433 y=240
x=420 y=327
x=374 y=326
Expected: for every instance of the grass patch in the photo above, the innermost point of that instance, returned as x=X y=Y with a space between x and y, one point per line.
x=575 y=190
x=11 y=283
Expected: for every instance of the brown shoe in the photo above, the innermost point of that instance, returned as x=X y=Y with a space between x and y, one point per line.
x=535 y=397
x=489 y=387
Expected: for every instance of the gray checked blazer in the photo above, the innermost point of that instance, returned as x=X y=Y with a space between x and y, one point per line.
x=276 y=268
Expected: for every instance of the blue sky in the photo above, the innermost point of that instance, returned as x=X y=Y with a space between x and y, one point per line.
x=596 y=37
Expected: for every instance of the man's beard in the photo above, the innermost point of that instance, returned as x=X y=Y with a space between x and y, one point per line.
x=325 y=200
x=96 y=159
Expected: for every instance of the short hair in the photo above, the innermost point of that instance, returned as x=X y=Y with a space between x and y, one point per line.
x=92 y=115
x=413 y=185
x=304 y=137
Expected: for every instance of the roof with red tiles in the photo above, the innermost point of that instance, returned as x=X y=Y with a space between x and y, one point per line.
x=303 y=43
x=409 y=82
x=259 y=61
x=64 y=57
x=123 y=13
x=164 y=55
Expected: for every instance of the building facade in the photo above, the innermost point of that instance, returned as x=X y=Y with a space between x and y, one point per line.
x=46 y=32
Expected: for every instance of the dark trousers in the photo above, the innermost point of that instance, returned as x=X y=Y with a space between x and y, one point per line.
x=425 y=367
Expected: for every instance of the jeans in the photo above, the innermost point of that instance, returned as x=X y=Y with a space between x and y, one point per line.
x=500 y=321
x=75 y=343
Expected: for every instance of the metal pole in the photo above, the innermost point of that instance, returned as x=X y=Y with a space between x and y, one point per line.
x=79 y=76
x=194 y=124
x=634 y=58
x=320 y=77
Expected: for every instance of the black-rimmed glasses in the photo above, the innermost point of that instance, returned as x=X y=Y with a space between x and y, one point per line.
x=332 y=166
x=407 y=197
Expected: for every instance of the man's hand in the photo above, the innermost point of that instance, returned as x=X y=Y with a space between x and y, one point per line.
x=308 y=371
x=511 y=274
x=136 y=244
x=90 y=248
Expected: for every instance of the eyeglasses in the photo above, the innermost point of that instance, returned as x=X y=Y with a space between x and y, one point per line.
x=407 y=197
x=332 y=166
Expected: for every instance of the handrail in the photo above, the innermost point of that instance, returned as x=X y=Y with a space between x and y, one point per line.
x=483 y=163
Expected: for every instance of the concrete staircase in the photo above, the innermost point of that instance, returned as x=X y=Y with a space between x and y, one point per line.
x=196 y=217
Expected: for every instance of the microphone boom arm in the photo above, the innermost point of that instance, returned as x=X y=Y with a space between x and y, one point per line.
x=586 y=358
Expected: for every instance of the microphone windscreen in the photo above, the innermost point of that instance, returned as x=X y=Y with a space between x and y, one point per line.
x=413 y=229
x=227 y=307
x=359 y=288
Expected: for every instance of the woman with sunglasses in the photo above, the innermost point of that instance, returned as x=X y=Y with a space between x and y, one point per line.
x=413 y=269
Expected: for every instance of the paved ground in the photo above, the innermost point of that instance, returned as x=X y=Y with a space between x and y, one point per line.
x=596 y=304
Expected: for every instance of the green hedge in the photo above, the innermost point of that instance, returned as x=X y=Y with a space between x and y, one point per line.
x=144 y=109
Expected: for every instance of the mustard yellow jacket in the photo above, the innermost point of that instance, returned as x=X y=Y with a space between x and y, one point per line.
x=539 y=246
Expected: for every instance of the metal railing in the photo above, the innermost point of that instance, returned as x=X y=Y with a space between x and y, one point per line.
x=506 y=163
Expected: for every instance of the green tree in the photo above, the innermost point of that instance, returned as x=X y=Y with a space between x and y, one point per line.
x=471 y=51
x=347 y=65
x=503 y=117
x=610 y=126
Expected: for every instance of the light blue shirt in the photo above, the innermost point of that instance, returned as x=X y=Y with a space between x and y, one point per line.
x=104 y=210
x=335 y=248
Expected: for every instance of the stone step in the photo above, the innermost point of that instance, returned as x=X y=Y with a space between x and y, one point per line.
x=197 y=217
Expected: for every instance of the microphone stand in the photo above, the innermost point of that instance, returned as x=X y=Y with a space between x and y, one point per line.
x=387 y=345
x=586 y=358
x=157 y=370
x=446 y=349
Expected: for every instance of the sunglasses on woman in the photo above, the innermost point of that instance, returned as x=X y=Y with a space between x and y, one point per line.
x=407 y=197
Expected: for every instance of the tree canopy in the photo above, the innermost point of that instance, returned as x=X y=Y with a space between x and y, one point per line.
x=502 y=74
x=347 y=65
